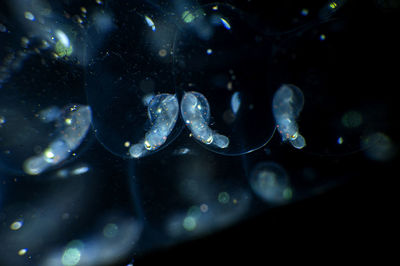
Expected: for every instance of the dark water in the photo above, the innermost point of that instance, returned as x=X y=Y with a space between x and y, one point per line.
x=83 y=82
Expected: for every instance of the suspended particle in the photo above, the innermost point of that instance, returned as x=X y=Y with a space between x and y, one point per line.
x=16 y=225
x=223 y=197
x=304 y=12
x=29 y=16
x=226 y=24
x=22 y=251
x=2 y=28
x=150 y=23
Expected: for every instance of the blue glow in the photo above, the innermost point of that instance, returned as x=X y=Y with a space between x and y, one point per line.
x=226 y=23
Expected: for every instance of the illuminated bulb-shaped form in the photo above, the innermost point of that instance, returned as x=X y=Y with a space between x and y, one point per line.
x=163 y=112
x=195 y=112
x=287 y=104
x=74 y=127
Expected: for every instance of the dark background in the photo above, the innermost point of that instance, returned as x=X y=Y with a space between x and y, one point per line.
x=354 y=220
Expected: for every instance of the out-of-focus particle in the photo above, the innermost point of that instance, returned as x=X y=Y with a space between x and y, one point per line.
x=223 y=197
x=29 y=16
x=189 y=223
x=304 y=12
x=22 y=251
x=16 y=225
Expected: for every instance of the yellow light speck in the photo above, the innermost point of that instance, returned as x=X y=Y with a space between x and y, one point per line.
x=226 y=24
x=209 y=140
x=22 y=251
x=162 y=52
x=68 y=121
x=215 y=8
x=147 y=145
x=333 y=5
x=16 y=225
x=49 y=154
x=127 y=144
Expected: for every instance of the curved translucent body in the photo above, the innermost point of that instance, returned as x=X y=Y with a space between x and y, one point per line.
x=162 y=112
x=75 y=126
x=195 y=112
x=287 y=104
x=270 y=182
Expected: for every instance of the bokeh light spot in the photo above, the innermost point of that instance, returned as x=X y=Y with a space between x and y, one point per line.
x=189 y=223
x=223 y=197
x=110 y=230
x=16 y=225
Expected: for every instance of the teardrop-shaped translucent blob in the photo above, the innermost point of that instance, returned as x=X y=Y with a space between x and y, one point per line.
x=270 y=182
x=287 y=104
x=195 y=112
x=73 y=129
x=163 y=113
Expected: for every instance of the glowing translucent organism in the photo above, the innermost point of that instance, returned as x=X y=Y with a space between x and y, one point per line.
x=286 y=106
x=74 y=127
x=195 y=112
x=162 y=112
x=235 y=102
x=270 y=182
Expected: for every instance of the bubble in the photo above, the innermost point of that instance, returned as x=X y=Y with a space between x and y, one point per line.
x=233 y=75
x=125 y=75
x=287 y=104
x=270 y=182
x=189 y=223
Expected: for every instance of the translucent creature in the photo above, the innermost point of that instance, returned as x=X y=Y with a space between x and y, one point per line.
x=162 y=112
x=75 y=125
x=287 y=104
x=195 y=112
x=270 y=182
